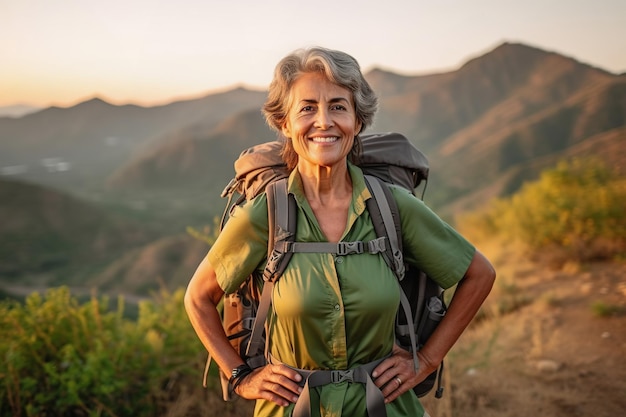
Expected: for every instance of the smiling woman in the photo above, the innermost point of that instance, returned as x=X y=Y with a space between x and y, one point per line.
x=344 y=85
x=321 y=123
x=332 y=313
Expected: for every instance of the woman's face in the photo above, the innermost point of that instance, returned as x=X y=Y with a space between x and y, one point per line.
x=321 y=121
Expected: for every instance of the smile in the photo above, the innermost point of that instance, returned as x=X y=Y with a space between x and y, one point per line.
x=325 y=140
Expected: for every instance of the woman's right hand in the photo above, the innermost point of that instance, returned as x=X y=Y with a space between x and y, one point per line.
x=276 y=383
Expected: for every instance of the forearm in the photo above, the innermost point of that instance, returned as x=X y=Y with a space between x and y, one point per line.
x=207 y=323
x=277 y=383
x=470 y=294
x=201 y=299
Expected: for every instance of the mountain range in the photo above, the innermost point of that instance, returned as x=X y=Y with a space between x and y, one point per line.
x=17 y=110
x=487 y=127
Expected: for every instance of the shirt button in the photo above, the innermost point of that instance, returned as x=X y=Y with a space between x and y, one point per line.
x=337 y=307
x=339 y=259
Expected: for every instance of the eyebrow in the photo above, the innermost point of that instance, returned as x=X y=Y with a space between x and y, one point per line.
x=332 y=100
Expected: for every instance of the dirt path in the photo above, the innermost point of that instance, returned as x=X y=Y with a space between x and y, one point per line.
x=563 y=353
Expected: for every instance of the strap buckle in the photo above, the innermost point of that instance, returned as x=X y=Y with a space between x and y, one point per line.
x=337 y=377
x=347 y=248
x=377 y=245
x=399 y=265
x=272 y=265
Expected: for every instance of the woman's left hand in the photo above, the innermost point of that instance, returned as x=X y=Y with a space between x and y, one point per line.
x=396 y=374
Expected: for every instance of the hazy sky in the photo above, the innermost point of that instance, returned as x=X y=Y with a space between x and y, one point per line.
x=154 y=51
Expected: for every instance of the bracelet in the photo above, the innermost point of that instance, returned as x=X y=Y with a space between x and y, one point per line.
x=238 y=374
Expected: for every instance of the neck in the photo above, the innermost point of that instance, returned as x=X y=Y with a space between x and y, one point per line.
x=321 y=183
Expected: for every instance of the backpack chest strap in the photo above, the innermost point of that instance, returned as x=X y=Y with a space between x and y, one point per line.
x=341 y=248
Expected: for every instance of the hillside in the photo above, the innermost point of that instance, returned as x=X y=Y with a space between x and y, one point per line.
x=482 y=126
x=162 y=264
x=196 y=156
x=94 y=138
x=498 y=115
x=554 y=353
x=50 y=238
x=17 y=110
x=430 y=108
x=517 y=151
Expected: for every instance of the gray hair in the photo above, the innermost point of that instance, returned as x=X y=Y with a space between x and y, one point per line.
x=338 y=67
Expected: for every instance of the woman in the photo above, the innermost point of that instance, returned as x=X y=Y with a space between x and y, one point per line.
x=332 y=312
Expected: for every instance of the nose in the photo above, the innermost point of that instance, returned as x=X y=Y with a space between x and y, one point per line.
x=323 y=119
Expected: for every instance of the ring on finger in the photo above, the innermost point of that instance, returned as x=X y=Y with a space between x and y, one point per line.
x=398 y=380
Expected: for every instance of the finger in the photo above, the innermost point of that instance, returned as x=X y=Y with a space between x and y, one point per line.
x=283 y=381
x=394 y=394
x=266 y=384
x=394 y=389
x=290 y=385
x=288 y=378
x=393 y=383
x=286 y=371
x=279 y=394
x=386 y=375
x=275 y=397
x=382 y=368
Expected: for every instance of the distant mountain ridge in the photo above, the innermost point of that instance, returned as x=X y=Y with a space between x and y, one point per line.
x=17 y=110
x=196 y=152
x=96 y=137
x=495 y=122
x=491 y=117
x=481 y=125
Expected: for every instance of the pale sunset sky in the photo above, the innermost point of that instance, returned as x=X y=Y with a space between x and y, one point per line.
x=61 y=52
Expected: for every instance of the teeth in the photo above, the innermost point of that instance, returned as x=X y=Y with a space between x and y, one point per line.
x=325 y=140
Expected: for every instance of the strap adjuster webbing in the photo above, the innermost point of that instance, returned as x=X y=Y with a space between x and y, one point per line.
x=372 y=247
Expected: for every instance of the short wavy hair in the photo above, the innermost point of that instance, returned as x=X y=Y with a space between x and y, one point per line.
x=339 y=68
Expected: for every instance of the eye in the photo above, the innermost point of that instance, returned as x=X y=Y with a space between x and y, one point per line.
x=338 y=107
x=307 y=108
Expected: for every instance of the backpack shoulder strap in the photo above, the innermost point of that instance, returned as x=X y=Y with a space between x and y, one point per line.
x=281 y=215
x=386 y=219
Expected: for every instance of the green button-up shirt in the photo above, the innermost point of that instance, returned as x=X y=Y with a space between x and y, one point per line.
x=337 y=312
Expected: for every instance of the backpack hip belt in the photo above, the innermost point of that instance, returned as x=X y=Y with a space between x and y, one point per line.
x=375 y=402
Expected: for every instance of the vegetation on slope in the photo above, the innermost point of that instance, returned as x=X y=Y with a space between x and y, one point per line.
x=573 y=212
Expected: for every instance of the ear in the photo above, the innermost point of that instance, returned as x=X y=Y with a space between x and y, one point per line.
x=358 y=126
x=286 y=130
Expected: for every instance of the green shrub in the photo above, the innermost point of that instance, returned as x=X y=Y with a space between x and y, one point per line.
x=576 y=209
x=62 y=358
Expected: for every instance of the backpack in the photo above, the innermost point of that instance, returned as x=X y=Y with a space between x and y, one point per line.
x=385 y=159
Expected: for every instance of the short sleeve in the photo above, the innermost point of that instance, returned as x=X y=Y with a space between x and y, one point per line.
x=430 y=243
x=242 y=244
